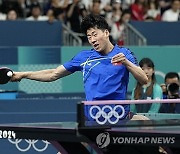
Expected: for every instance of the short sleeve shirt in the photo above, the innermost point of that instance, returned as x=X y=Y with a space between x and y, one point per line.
x=102 y=80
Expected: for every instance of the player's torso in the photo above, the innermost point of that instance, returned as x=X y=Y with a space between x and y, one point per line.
x=96 y=65
x=101 y=76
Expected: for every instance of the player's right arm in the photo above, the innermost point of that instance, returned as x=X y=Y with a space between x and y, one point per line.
x=42 y=75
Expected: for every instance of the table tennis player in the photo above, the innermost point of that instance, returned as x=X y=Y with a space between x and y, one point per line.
x=105 y=67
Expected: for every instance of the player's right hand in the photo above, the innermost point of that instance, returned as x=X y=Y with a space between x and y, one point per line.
x=16 y=77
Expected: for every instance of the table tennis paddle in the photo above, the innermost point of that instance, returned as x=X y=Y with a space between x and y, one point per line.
x=5 y=75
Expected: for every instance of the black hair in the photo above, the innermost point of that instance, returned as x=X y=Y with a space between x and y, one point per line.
x=126 y=11
x=35 y=5
x=94 y=21
x=146 y=61
x=171 y=75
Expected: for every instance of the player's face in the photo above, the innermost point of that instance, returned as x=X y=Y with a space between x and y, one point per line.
x=148 y=70
x=98 y=38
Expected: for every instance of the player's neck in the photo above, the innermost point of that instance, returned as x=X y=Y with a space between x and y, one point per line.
x=108 y=48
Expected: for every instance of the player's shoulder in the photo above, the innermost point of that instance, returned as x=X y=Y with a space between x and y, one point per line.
x=123 y=49
x=84 y=53
x=128 y=53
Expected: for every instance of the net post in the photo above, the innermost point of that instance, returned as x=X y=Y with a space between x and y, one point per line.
x=80 y=114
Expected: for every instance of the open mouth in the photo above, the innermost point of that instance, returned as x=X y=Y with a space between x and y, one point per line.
x=96 y=46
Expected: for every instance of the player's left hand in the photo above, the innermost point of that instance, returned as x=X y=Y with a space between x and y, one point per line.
x=118 y=59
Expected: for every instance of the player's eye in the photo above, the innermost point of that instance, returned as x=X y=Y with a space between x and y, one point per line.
x=89 y=37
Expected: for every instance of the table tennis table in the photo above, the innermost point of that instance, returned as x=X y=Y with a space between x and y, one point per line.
x=68 y=137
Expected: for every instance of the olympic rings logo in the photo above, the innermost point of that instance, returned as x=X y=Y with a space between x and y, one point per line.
x=108 y=115
x=30 y=143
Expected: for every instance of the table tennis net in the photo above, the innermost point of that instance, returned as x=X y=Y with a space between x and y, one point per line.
x=113 y=113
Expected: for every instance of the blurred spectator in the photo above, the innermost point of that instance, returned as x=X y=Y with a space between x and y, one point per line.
x=60 y=15
x=12 y=15
x=50 y=15
x=96 y=10
x=75 y=12
x=59 y=4
x=2 y=16
x=127 y=3
x=105 y=6
x=12 y=4
x=27 y=4
x=115 y=14
x=36 y=14
x=172 y=14
x=117 y=30
x=171 y=90
x=149 y=91
x=153 y=11
x=164 y=5
x=87 y=4
x=59 y=7
x=22 y=4
x=138 y=10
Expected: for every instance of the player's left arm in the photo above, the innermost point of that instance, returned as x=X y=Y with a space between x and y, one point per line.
x=135 y=70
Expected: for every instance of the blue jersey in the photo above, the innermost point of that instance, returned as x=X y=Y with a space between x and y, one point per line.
x=102 y=80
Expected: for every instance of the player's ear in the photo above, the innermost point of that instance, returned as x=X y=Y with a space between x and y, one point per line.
x=106 y=32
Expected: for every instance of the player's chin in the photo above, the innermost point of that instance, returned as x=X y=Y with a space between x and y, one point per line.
x=98 y=49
